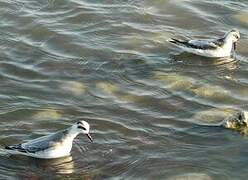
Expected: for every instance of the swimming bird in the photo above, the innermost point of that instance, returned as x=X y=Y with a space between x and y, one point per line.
x=55 y=145
x=221 y=47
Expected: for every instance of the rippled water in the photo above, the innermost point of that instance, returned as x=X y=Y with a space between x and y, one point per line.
x=108 y=62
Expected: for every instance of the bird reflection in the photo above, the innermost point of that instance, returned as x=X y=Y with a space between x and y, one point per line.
x=27 y=168
x=222 y=66
x=63 y=165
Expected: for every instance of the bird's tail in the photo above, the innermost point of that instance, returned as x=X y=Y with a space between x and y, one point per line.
x=8 y=147
x=17 y=147
x=177 y=41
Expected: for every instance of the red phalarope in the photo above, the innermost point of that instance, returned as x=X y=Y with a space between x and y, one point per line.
x=55 y=145
x=221 y=47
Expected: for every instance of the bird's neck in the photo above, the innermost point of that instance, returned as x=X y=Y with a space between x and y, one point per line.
x=228 y=38
x=72 y=133
x=228 y=43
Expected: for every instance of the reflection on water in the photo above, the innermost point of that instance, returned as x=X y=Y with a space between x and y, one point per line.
x=41 y=168
x=47 y=114
x=60 y=166
x=175 y=81
x=73 y=87
x=191 y=176
x=214 y=92
x=154 y=111
x=107 y=88
x=212 y=116
x=242 y=17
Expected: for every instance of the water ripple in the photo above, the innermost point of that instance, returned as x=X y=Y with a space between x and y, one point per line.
x=154 y=111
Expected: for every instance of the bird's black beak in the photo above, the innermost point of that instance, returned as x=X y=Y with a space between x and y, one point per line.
x=88 y=135
x=234 y=46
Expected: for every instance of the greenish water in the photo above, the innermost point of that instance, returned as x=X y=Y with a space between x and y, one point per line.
x=108 y=62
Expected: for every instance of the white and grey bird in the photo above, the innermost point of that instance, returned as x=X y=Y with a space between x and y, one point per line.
x=55 y=145
x=221 y=47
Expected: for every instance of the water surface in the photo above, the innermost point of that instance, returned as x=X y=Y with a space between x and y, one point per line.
x=108 y=62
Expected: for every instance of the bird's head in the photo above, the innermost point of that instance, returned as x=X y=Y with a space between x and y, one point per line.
x=83 y=127
x=233 y=36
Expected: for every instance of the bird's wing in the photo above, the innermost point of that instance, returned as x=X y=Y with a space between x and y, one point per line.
x=202 y=44
x=198 y=44
x=219 y=42
x=40 y=144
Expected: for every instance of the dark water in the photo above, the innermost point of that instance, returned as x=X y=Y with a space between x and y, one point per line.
x=108 y=62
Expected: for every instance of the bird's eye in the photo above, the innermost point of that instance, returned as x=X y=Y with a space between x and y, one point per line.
x=240 y=117
x=81 y=127
x=236 y=36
